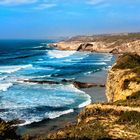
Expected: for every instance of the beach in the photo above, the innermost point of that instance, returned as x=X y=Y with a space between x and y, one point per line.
x=44 y=127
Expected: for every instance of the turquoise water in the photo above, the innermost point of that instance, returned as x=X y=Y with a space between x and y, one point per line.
x=32 y=59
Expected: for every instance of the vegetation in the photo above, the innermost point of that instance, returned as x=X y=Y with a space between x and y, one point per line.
x=131 y=117
x=118 y=38
x=132 y=101
x=128 y=61
x=102 y=122
x=7 y=131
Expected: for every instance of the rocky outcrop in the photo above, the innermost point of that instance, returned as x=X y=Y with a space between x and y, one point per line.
x=77 y=84
x=104 y=44
x=123 y=78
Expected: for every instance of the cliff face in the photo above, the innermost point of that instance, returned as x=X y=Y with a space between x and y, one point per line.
x=123 y=78
x=117 y=119
x=106 y=44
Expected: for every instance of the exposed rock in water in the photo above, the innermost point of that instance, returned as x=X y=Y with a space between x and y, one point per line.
x=77 y=84
x=86 y=85
x=40 y=82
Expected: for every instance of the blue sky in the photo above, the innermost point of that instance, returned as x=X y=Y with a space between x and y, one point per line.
x=40 y=19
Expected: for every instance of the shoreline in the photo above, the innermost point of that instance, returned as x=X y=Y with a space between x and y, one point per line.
x=97 y=94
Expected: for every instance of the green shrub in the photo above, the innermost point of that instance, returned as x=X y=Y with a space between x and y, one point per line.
x=131 y=117
x=128 y=61
x=7 y=131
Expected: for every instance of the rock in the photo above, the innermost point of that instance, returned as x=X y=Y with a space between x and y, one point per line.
x=84 y=85
x=40 y=82
x=114 y=51
x=16 y=121
x=123 y=78
x=77 y=84
x=116 y=44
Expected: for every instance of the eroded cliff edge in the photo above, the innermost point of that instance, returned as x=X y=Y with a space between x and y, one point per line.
x=117 y=44
x=117 y=119
x=123 y=78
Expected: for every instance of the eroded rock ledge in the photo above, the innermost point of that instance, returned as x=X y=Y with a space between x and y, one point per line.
x=116 y=44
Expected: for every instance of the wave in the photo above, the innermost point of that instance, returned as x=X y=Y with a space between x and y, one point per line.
x=60 y=54
x=88 y=98
x=11 y=69
x=48 y=115
x=87 y=102
x=56 y=114
x=2 y=78
x=5 y=86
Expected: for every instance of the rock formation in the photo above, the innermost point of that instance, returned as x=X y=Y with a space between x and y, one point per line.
x=105 y=44
x=123 y=78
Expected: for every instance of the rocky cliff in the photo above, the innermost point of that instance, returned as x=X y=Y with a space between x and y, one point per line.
x=117 y=119
x=104 y=43
x=123 y=78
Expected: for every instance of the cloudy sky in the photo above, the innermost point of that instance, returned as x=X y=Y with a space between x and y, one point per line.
x=40 y=19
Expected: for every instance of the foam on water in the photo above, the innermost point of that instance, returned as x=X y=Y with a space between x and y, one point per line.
x=3 y=77
x=25 y=104
x=87 y=102
x=48 y=115
x=11 y=69
x=5 y=86
x=56 y=114
x=60 y=54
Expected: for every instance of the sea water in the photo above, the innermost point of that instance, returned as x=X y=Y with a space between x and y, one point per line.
x=32 y=59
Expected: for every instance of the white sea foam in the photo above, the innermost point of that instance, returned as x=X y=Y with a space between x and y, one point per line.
x=87 y=102
x=100 y=63
x=49 y=115
x=72 y=88
x=60 y=54
x=5 y=86
x=37 y=47
x=3 y=77
x=88 y=98
x=56 y=114
x=11 y=69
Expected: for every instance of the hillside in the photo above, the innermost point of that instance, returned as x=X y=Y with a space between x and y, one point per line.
x=120 y=43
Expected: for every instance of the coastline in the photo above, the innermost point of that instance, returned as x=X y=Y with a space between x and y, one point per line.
x=44 y=127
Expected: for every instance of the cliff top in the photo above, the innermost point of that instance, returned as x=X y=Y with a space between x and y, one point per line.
x=108 y=38
x=128 y=61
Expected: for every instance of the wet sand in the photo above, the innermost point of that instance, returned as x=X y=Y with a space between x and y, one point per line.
x=97 y=95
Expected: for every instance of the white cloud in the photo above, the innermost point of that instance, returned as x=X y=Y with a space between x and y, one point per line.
x=95 y=2
x=45 y=6
x=16 y=2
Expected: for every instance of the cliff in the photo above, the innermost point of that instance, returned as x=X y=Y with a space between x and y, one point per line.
x=117 y=119
x=123 y=78
x=102 y=43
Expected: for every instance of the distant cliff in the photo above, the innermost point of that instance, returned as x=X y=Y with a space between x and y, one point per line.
x=123 y=78
x=121 y=43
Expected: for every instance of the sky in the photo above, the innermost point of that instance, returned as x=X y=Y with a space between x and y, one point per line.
x=41 y=19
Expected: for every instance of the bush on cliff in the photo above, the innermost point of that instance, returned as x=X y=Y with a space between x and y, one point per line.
x=7 y=131
x=128 y=61
x=132 y=100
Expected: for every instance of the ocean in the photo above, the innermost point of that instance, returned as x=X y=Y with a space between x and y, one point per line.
x=23 y=61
